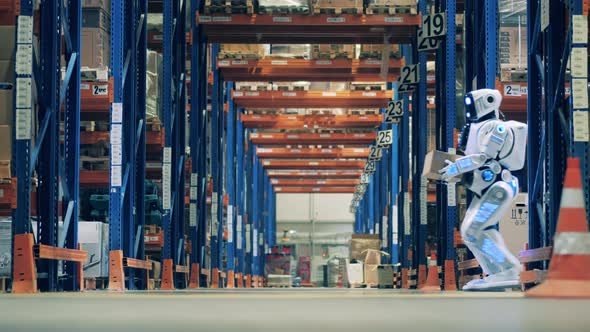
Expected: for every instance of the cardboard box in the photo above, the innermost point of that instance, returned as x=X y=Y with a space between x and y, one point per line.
x=7 y=35
x=6 y=108
x=104 y=4
x=361 y=242
x=372 y=261
x=96 y=18
x=435 y=161
x=5 y=248
x=376 y=51
x=94 y=237
x=512 y=47
x=6 y=139
x=96 y=47
x=514 y=226
x=250 y=51
x=332 y=51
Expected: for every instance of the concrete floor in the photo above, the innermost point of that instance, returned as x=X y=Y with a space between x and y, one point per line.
x=290 y=310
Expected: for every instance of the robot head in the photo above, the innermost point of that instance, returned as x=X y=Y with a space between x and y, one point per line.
x=482 y=104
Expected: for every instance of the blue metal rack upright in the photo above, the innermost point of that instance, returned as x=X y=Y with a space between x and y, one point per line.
x=550 y=114
x=230 y=183
x=174 y=122
x=481 y=31
x=44 y=76
x=446 y=96
x=128 y=127
x=419 y=221
x=198 y=145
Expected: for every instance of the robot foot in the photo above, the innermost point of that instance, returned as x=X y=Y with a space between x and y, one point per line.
x=495 y=282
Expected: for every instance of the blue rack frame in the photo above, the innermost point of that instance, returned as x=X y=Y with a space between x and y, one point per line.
x=550 y=117
x=45 y=157
x=128 y=127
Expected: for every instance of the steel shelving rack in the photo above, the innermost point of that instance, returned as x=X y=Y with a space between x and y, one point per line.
x=551 y=112
x=39 y=68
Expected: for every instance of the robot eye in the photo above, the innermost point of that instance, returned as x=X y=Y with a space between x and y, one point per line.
x=490 y=99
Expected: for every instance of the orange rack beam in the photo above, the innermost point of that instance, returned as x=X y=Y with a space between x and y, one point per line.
x=287 y=121
x=312 y=139
x=312 y=164
x=43 y=251
x=306 y=29
x=315 y=183
x=366 y=70
x=329 y=174
x=311 y=190
x=312 y=153
x=310 y=99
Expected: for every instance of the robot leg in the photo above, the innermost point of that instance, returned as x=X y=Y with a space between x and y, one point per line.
x=486 y=243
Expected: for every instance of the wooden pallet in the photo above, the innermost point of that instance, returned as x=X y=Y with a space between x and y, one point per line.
x=229 y=7
x=283 y=10
x=337 y=10
x=391 y=10
x=96 y=283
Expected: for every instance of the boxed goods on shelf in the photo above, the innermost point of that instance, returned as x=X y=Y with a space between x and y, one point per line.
x=5 y=152
x=385 y=275
x=253 y=86
x=153 y=71
x=372 y=261
x=291 y=86
x=7 y=54
x=283 y=7
x=229 y=7
x=337 y=7
x=512 y=48
x=104 y=4
x=95 y=35
x=332 y=51
x=375 y=51
x=289 y=51
x=241 y=51
x=391 y=7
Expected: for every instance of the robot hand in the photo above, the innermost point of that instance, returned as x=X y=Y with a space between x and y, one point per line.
x=448 y=172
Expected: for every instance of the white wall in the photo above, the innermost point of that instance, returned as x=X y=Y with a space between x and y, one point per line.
x=314 y=207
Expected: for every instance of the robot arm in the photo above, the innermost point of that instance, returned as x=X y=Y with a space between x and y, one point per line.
x=463 y=165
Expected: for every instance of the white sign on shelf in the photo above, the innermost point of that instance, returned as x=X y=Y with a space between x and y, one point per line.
x=580 y=34
x=24 y=29
x=580 y=93
x=24 y=59
x=23 y=123
x=117 y=112
x=193 y=214
x=230 y=224
x=116 y=174
x=512 y=90
x=579 y=62
x=385 y=234
x=581 y=126
x=544 y=14
x=23 y=92
x=116 y=154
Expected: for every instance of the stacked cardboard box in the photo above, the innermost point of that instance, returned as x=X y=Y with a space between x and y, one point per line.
x=241 y=51
x=375 y=51
x=332 y=51
x=7 y=83
x=96 y=25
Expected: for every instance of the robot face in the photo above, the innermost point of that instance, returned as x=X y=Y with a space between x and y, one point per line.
x=481 y=104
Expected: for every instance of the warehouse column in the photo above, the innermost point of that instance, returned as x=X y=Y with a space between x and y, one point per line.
x=240 y=200
x=230 y=173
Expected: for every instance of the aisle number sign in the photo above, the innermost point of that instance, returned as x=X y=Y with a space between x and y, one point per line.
x=384 y=138
x=394 y=112
x=426 y=43
x=370 y=167
x=410 y=76
x=435 y=25
x=375 y=153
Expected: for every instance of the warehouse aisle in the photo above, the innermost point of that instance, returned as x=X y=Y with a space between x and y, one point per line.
x=290 y=310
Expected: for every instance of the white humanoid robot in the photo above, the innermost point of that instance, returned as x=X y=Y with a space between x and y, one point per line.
x=493 y=148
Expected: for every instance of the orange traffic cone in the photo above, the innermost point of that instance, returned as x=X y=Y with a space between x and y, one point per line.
x=569 y=268
x=433 y=282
